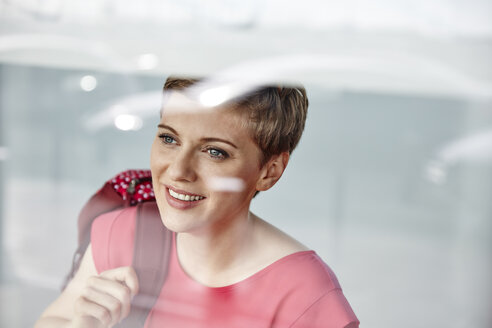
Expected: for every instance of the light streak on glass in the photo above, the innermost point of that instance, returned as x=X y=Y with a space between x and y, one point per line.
x=143 y=105
x=147 y=61
x=127 y=122
x=226 y=184
x=399 y=73
x=476 y=148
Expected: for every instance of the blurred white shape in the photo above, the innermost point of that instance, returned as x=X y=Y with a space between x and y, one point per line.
x=147 y=61
x=436 y=172
x=437 y=17
x=4 y=153
x=228 y=184
x=475 y=148
x=141 y=105
x=70 y=45
x=88 y=83
x=216 y=96
x=127 y=122
x=185 y=102
x=406 y=72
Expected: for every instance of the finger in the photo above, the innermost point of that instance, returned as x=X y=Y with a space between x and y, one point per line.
x=126 y=275
x=86 y=308
x=117 y=290
x=116 y=309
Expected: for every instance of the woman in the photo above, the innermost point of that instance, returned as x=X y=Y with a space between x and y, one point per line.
x=228 y=267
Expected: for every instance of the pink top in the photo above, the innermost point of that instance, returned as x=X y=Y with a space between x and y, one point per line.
x=297 y=291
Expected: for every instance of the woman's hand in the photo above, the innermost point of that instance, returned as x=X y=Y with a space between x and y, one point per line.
x=106 y=298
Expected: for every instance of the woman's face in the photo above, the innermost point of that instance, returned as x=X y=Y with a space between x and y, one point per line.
x=205 y=168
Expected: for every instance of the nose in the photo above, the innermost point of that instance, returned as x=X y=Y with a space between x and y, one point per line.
x=182 y=166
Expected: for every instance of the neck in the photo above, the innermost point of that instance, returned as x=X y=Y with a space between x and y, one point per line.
x=212 y=257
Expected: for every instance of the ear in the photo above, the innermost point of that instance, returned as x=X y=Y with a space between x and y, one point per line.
x=272 y=171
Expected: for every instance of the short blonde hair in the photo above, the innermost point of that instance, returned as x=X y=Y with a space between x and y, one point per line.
x=277 y=114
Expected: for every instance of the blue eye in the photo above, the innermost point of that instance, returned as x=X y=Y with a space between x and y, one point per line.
x=167 y=139
x=217 y=153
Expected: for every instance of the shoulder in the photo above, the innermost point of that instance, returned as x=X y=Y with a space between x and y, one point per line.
x=308 y=274
x=315 y=297
x=312 y=295
x=112 y=238
x=330 y=310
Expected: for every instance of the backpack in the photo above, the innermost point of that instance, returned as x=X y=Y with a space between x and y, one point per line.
x=152 y=239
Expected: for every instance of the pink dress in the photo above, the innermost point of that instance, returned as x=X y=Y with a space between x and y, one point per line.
x=298 y=290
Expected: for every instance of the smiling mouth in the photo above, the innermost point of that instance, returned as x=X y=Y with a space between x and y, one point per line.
x=186 y=198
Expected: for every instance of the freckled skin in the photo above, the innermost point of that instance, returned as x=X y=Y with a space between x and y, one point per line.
x=186 y=158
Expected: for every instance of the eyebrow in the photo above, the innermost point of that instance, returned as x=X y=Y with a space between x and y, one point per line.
x=163 y=126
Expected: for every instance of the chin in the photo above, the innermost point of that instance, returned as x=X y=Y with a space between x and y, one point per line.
x=179 y=223
x=169 y=222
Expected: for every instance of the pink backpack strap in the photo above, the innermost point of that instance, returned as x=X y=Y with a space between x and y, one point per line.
x=125 y=189
x=153 y=242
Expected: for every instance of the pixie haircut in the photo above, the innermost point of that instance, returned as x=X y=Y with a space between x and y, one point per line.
x=276 y=114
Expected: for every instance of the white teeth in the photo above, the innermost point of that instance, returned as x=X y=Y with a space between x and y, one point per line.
x=186 y=198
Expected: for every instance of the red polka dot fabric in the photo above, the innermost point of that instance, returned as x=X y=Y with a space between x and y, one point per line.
x=135 y=185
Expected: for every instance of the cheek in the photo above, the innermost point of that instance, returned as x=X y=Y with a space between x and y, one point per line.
x=153 y=152
x=157 y=155
x=244 y=172
x=245 y=181
x=154 y=168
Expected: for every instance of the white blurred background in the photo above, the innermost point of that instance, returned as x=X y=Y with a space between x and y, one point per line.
x=391 y=183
